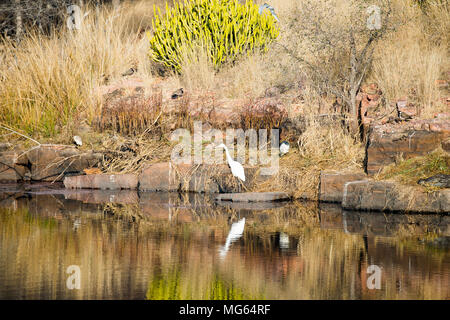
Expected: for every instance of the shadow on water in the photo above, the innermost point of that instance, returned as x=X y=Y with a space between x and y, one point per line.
x=132 y=245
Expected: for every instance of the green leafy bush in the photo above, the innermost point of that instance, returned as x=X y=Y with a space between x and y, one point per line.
x=224 y=28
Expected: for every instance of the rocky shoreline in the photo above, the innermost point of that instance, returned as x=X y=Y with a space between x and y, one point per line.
x=353 y=190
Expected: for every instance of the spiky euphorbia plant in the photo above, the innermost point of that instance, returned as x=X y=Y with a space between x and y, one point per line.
x=224 y=28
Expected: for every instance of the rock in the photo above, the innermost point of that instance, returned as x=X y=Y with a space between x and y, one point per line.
x=102 y=181
x=389 y=196
x=331 y=185
x=415 y=138
x=52 y=163
x=253 y=197
x=8 y=174
x=405 y=111
x=438 y=180
x=5 y=146
x=13 y=166
x=202 y=178
x=159 y=177
x=369 y=99
x=446 y=145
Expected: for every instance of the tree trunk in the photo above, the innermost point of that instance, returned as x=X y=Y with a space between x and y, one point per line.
x=353 y=86
x=18 y=12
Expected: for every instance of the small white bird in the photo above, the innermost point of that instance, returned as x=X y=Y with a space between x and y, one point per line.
x=236 y=231
x=77 y=140
x=236 y=168
x=270 y=8
x=284 y=148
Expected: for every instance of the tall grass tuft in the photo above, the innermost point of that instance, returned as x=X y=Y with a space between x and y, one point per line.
x=48 y=83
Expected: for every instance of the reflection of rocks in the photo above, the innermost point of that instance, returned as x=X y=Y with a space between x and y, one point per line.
x=375 y=224
x=253 y=197
x=194 y=207
x=251 y=205
x=441 y=242
x=104 y=196
x=102 y=181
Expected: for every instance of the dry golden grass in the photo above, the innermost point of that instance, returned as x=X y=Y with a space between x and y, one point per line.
x=410 y=61
x=48 y=83
x=320 y=147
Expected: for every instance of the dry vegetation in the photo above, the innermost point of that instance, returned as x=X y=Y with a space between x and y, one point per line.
x=49 y=84
x=411 y=170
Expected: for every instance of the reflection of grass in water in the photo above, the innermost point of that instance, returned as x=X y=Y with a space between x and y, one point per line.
x=173 y=286
x=28 y=218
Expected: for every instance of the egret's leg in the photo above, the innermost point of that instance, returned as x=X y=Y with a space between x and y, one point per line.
x=241 y=184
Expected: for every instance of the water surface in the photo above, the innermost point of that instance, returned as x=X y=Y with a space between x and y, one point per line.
x=171 y=246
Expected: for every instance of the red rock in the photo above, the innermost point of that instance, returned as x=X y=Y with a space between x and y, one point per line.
x=386 y=142
x=52 y=163
x=385 y=196
x=193 y=178
x=402 y=103
x=159 y=177
x=442 y=115
x=13 y=166
x=331 y=185
x=441 y=83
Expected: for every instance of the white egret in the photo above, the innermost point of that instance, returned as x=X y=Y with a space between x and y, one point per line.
x=236 y=168
x=284 y=148
x=236 y=231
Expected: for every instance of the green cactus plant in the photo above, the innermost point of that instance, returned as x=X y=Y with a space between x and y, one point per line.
x=226 y=29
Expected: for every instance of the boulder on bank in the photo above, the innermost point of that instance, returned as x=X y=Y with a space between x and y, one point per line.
x=390 y=196
x=202 y=178
x=53 y=163
x=13 y=166
x=415 y=138
x=331 y=185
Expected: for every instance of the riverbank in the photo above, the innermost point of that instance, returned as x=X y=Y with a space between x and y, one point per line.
x=111 y=124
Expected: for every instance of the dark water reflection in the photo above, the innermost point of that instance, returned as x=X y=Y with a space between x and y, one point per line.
x=171 y=246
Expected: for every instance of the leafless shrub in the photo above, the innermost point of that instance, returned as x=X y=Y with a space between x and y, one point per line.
x=332 y=42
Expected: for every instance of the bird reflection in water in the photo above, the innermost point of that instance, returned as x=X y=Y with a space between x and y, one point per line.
x=236 y=231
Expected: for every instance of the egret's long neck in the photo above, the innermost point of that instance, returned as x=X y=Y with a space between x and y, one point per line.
x=228 y=155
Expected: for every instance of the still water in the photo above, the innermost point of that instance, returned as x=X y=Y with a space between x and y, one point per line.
x=172 y=246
